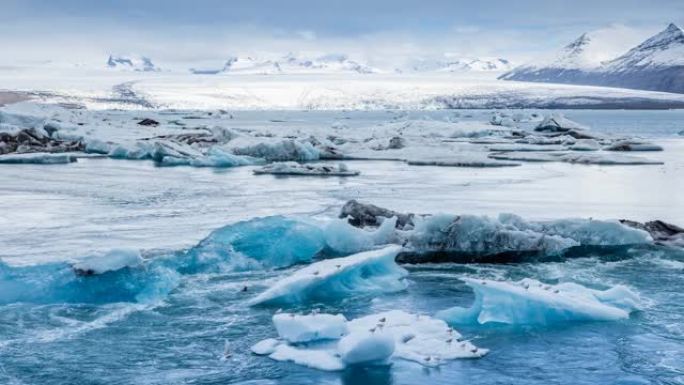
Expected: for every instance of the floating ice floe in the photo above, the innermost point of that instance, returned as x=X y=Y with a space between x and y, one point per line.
x=585 y=145
x=364 y=273
x=531 y=302
x=526 y=148
x=631 y=145
x=597 y=157
x=477 y=162
x=558 y=123
x=272 y=149
x=293 y=168
x=37 y=158
x=376 y=339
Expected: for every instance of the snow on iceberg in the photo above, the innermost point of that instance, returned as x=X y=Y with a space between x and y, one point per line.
x=375 y=339
x=531 y=302
x=293 y=168
x=369 y=272
x=296 y=328
x=114 y=260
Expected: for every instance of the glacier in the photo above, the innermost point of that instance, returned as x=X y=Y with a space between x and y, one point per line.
x=529 y=301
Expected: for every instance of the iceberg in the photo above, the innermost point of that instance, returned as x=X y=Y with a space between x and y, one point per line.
x=365 y=273
x=37 y=158
x=631 y=145
x=445 y=237
x=558 y=123
x=293 y=168
x=113 y=260
x=594 y=157
x=376 y=339
x=296 y=328
x=585 y=145
x=532 y=302
x=275 y=149
x=257 y=243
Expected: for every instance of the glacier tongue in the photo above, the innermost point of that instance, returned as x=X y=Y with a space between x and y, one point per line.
x=532 y=302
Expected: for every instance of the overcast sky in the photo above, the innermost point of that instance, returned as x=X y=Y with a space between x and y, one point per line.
x=204 y=30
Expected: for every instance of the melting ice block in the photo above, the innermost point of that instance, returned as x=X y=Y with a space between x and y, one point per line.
x=297 y=328
x=373 y=271
x=532 y=302
x=371 y=340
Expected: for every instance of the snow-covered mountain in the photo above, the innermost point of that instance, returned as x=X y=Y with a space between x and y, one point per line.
x=131 y=63
x=657 y=64
x=459 y=65
x=289 y=64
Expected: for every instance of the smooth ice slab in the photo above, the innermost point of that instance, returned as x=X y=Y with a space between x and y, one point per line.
x=532 y=302
x=364 y=273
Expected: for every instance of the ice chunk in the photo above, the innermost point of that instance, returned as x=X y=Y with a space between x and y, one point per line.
x=218 y=157
x=297 y=328
x=293 y=168
x=630 y=145
x=275 y=149
x=38 y=158
x=377 y=339
x=366 y=347
x=365 y=273
x=525 y=148
x=558 y=123
x=586 y=145
x=531 y=302
x=425 y=340
x=265 y=347
x=597 y=157
x=272 y=242
x=480 y=235
x=111 y=261
x=345 y=239
x=478 y=162
x=321 y=359
x=606 y=159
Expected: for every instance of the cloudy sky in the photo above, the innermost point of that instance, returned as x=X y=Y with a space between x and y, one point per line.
x=376 y=30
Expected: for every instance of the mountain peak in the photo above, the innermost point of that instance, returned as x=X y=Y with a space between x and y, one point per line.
x=671 y=34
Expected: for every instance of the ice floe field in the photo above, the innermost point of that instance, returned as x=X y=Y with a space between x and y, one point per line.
x=200 y=244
